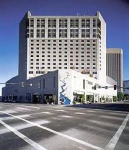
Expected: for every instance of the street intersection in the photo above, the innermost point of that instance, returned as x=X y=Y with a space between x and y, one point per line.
x=56 y=127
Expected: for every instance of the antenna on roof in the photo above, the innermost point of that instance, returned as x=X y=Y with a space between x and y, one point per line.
x=77 y=14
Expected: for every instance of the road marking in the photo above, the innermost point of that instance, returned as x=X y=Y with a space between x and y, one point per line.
x=79 y=113
x=57 y=133
x=22 y=136
x=10 y=118
x=112 y=143
x=110 y=117
x=10 y=111
x=18 y=105
x=44 y=112
x=21 y=108
x=65 y=116
x=24 y=125
x=31 y=107
x=61 y=110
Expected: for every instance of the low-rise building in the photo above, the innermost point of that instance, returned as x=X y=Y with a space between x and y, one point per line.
x=60 y=87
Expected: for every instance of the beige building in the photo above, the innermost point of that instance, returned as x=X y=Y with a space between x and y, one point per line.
x=114 y=66
x=48 y=43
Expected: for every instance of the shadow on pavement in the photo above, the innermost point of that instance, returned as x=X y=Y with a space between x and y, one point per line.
x=115 y=107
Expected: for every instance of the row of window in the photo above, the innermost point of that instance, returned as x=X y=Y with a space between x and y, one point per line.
x=63 y=23
x=63 y=33
x=65 y=48
x=60 y=52
x=63 y=56
x=65 y=64
x=65 y=44
x=63 y=41
x=41 y=72
x=82 y=62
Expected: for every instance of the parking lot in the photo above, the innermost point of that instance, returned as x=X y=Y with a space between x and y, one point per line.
x=53 y=127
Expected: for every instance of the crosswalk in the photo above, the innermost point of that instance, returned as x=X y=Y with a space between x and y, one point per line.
x=85 y=128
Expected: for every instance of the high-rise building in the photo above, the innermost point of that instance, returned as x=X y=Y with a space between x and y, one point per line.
x=49 y=47
x=48 y=43
x=126 y=86
x=114 y=66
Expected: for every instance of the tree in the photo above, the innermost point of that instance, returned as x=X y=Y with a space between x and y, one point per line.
x=91 y=75
x=90 y=97
x=73 y=67
x=115 y=98
x=83 y=98
x=83 y=71
x=126 y=96
x=120 y=95
x=103 y=99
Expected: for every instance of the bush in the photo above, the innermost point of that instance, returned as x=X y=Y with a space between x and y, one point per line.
x=115 y=98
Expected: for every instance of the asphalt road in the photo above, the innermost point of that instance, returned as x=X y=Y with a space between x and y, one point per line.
x=53 y=127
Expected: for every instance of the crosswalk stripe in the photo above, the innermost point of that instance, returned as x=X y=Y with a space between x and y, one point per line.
x=22 y=136
x=112 y=143
x=58 y=133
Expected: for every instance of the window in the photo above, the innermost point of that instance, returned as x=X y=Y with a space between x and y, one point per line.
x=43 y=83
x=51 y=33
x=54 y=81
x=62 y=23
x=30 y=72
x=74 y=23
x=83 y=84
x=74 y=33
x=62 y=33
x=51 y=23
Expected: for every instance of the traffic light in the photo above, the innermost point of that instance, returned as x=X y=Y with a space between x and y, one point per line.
x=95 y=87
x=114 y=87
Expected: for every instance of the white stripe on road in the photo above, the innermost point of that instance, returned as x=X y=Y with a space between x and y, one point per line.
x=79 y=113
x=45 y=112
x=21 y=108
x=23 y=125
x=22 y=136
x=57 y=133
x=21 y=105
x=61 y=110
x=112 y=143
x=31 y=107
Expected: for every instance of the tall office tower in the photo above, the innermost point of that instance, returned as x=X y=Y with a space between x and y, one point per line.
x=48 y=43
x=114 y=65
x=126 y=86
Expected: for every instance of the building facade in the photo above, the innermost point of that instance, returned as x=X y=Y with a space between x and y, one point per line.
x=63 y=58
x=114 y=66
x=60 y=87
x=48 y=43
x=126 y=86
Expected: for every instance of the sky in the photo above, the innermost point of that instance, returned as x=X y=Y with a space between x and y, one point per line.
x=114 y=12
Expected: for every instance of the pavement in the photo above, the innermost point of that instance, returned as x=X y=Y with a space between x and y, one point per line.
x=56 y=127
